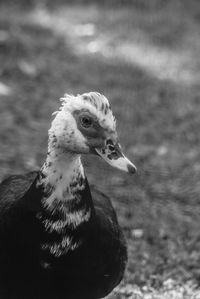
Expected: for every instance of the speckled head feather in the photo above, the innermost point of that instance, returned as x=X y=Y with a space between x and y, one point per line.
x=99 y=136
x=95 y=102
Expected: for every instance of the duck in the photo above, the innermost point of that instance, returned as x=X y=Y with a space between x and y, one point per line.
x=59 y=237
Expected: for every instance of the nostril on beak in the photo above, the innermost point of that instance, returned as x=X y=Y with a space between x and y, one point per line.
x=111 y=148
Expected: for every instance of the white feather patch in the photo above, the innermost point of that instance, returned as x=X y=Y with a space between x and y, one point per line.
x=62 y=182
x=58 y=249
x=72 y=220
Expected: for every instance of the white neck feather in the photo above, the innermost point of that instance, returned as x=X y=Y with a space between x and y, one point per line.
x=60 y=172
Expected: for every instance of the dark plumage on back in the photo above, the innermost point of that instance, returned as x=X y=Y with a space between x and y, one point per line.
x=58 y=237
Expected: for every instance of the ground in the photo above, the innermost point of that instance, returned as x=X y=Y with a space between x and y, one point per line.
x=145 y=59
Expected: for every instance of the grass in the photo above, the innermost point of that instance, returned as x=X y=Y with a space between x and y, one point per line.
x=146 y=62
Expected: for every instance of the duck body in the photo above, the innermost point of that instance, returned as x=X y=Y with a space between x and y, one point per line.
x=58 y=238
x=26 y=271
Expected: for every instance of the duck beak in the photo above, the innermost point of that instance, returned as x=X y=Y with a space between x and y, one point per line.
x=114 y=156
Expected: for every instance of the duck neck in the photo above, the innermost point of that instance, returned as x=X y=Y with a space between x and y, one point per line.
x=66 y=195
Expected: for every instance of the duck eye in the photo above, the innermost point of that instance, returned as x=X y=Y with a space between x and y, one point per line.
x=86 y=121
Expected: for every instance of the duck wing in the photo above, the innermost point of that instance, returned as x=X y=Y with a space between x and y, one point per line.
x=111 y=242
x=14 y=187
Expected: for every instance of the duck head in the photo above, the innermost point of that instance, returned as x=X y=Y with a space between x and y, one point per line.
x=85 y=124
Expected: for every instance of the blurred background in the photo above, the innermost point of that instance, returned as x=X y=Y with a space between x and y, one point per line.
x=144 y=56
